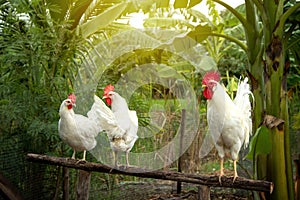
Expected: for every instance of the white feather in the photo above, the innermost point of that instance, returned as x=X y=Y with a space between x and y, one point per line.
x=76 y=130
x=107 y=119
x=127 y=120
x=230 y=121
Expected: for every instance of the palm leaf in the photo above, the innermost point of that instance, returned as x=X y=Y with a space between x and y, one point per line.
x=102 y=20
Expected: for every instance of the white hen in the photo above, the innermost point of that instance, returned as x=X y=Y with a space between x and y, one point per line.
x=76 y=130
x=122 y=126
x=229 y=121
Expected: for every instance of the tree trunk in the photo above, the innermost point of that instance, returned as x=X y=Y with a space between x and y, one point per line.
x=276 y=159
x=279 y=160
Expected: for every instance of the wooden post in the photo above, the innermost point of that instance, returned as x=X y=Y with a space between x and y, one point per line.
x=83 y=186
x=66 y=183
x=182 y=128
x=203 y=192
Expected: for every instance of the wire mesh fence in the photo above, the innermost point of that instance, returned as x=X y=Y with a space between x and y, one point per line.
x=32 y=180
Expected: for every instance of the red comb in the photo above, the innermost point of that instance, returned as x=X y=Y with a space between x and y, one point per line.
x=108 y=89
x=211 y=75
x=72 y=97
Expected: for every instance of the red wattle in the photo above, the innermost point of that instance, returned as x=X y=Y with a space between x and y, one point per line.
x=108 y=101
x=70 y=106
x=207 y=93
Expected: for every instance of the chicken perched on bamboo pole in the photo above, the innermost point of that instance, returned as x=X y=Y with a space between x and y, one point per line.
x=76 y=130
x=122 y=125
x=229 y=122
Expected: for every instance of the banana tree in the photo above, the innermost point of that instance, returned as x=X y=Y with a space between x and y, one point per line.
x=86 y=17
x=266 y=44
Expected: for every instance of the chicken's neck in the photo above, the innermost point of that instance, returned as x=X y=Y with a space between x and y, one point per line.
x=66 y=113
x=221 y=100
x=119 y=104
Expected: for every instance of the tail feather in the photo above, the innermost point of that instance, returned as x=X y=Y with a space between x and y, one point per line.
x=242 y=101
x=93 y=115
x=105 y=118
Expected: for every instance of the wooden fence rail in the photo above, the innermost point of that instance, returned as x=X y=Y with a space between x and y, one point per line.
x=210 y=181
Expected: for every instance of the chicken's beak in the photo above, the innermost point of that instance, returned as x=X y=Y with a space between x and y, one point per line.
x=74 y=104
x=204 y=86
x=104 y=97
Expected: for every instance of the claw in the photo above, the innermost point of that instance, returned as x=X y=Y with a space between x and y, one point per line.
x=234 y=178
x=80 y=161
x=220 y=179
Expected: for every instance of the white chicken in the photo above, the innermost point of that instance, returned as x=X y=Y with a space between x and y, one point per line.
x=121 y=126
x=229 y=122
x=76 y=130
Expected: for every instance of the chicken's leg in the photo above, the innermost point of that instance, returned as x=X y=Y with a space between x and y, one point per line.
x=84 y=154
x=127 y=160
x=235 y=172
x=81 y=161
x=221 y=170
x=115 y=154
x=74 y=152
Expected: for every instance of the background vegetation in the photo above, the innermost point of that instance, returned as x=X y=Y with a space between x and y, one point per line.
x=44 y=44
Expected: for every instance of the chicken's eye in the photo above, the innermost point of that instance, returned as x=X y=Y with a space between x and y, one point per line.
x=211 y=84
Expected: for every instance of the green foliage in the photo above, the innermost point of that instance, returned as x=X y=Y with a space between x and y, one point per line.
x=260 y=143
x=38 y=63
x=34 y=58
x=231 y=84
x=102 y=20
x=296 y=125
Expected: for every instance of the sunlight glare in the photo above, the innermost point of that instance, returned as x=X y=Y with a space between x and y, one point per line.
x=137 y=19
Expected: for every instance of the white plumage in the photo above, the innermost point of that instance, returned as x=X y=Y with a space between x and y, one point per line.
x=76 y=130
x=229 y=122
x=121 y=123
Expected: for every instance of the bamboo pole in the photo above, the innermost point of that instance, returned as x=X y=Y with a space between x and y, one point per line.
x=208 y=180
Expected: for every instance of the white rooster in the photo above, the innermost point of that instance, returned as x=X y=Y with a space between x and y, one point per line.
x=229 y=122
x=76 y=130
x=121 y=126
